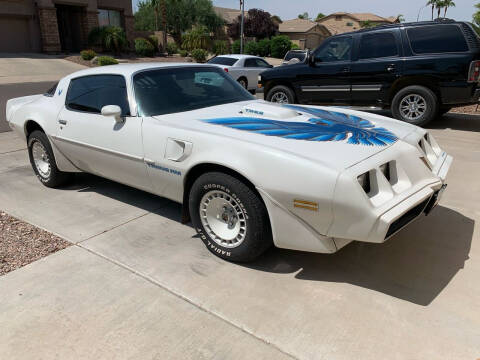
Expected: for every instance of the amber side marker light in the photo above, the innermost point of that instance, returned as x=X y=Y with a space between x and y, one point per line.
x=304 y=204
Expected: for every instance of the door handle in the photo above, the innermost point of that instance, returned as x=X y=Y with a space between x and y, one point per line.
x=62 y=122
x=391 y=67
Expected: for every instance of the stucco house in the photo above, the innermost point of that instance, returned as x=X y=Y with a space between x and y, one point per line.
x=305 y=33
x=342 y=22
x=54 y=26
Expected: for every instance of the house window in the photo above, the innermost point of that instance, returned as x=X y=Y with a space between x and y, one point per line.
x=109 y=17
x=338 y=17
x=349 y=24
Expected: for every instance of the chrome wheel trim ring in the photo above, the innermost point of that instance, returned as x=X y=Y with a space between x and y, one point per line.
x=413 y=106
x=41 y=160
x=279 y=97
x=223 y=218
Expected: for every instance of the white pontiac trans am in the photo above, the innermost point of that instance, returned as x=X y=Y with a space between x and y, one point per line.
x=248 y=173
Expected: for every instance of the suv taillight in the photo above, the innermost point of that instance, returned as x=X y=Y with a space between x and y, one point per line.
x=474 y=73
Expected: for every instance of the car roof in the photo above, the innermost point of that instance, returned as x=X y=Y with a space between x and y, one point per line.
x=129 y=69
x=237 y=56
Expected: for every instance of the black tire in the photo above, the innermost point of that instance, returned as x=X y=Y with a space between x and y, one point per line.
x=281 y=91
x=54 y=177
x=242 y=81
x=430 y=100
x=257 y=235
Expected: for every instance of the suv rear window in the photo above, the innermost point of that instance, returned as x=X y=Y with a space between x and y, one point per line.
x=378 y=45
x=227 y=61
x=437 y=39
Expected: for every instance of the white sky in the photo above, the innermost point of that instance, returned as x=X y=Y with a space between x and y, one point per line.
x=289 y=9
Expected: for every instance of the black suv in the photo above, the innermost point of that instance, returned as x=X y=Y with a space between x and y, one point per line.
x=419 y=70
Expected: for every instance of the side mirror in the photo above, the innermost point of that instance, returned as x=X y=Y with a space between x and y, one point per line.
x=270 y=66
x=114 y=111
x=311 y=59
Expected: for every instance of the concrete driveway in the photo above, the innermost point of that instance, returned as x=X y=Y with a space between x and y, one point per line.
x=139 y=284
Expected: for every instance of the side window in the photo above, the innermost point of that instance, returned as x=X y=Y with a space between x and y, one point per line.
x=91 y=93
x=250 y=63
x=336 y=49
x=378 y=45
x=262 y=63
x=436 y=39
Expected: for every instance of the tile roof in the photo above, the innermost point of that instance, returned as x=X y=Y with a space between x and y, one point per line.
x=229 y=15
x=296 y=25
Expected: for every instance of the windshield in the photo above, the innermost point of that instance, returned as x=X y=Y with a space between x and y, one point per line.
x=227 y=61
x=171 y=90
x=295 y=54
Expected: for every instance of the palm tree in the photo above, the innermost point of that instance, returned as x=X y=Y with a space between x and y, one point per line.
x=432 y=3
x=446 y=5
x=440 y=5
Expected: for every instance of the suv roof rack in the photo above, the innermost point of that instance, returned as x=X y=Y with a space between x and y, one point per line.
x=393 y=26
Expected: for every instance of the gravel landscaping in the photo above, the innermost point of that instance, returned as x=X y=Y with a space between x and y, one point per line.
x=22 y=243
x=466 y=110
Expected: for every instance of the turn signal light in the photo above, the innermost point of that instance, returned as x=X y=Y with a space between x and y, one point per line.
x=474 y=73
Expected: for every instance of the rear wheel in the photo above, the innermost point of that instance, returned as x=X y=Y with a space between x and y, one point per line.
x=230 y=218
x=281 y=94
x=416 y=105
x=43 y=161
x=242 y=81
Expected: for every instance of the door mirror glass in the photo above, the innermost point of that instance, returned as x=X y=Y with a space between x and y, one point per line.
x=114 y=111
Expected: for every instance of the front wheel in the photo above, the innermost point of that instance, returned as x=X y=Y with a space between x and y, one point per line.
x=416 y=105
x=230 y=218
x=43 y=161
x=281 y=94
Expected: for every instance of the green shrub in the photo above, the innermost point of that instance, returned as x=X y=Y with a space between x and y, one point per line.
x=172 y=48
x=220 y=47
x=183 y=53
x=251 y=48
x=88 y=54
x=263 y=47
x=295 y=47
x=106 y=60
x=196 y=38
x=152 y=39
x=143 y=47
x=280 y=45
x=111 y=38
x=236 y=47
x=199 y=55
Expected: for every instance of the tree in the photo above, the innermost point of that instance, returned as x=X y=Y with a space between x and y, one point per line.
x=439 y=6
x=401 y=18
x=257 y=23
x=446 y=5
x=367 y=24
x=144 y=17
x=196 y=38
x=432 y=3
x=320 y=16
x=276 y=19
x=304 y=16
x=476 y=18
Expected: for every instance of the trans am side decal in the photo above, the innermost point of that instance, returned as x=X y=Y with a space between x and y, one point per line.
x=325 y=126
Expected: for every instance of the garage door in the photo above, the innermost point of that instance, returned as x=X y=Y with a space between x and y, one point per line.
x=17 y=39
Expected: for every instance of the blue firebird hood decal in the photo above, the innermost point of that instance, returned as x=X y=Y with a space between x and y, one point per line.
x=325 y=126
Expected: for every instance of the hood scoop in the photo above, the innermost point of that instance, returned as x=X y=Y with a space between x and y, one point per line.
x=268 y=111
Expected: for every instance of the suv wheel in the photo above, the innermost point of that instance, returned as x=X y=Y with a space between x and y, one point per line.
x=416 y=105
x=281 y=94
x=230 y=218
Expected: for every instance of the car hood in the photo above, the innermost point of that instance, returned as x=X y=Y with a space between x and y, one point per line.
x=336 y=137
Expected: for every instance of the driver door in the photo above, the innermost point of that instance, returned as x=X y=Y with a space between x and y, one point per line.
x=327 y=79
x=100 y=144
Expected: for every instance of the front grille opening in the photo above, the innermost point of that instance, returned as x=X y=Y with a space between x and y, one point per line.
x=385 y=169
x=406 y=218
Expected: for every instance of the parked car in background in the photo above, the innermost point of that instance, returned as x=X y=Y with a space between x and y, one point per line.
x=295 y=57
x=418 y=70
x=243 y=68
x=250 y=174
